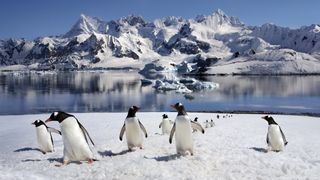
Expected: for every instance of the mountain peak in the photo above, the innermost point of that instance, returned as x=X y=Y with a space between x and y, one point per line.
x=219 y=12
x=86 y=25
x=132 y=20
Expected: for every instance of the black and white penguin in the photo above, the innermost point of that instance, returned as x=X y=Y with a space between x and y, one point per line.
x=134 y=130
x=275 y=137
x=182 y=128
x=217 y=116
x=195 y=121
x=74 y=135
x=165 y=124
x=207 y=124
x=212 y=123
x=44 y=136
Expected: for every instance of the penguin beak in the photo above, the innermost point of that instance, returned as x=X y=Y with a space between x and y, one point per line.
x=32 y=123
x=264 y=117
x=48 y=120
x=173 y=106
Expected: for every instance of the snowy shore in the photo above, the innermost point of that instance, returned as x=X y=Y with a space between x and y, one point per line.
x=233 y=149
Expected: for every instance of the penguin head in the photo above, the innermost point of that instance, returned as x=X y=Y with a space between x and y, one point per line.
x=269 y=119
x=132 y=111
x=38 y=123
x=180 y=108
x=164 y=116
x=196 y=119
x=58 y=116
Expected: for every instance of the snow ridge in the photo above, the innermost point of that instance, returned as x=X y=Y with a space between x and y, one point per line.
x=132 y=42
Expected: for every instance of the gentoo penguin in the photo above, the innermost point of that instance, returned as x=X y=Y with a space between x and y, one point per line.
x=44 y=136
x=165 y=124
x=212 y=123
x=207 y=124
x=134 y=130
x=195 y=121
x=74 y=135
x=275 y=137
x=182 y=128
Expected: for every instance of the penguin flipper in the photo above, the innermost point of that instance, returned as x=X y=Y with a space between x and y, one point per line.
x=197 y=126
x=85 y=133
x=172 y=132
x=160 y=125
x=267 y=139
x=283 y=137
x=143 y=129
x=53 y=130
x=123 y=129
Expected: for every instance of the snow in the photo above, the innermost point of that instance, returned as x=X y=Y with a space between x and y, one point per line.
x=233 y=149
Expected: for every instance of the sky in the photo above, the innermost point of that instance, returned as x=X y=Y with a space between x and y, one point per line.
x=35 y=18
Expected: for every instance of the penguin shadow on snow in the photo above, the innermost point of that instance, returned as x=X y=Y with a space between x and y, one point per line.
x=27 y=149
x=262 y=150
x=166 y=158
x=108 y=153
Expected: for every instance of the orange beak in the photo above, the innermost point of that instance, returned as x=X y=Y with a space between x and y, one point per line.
x=48 y=120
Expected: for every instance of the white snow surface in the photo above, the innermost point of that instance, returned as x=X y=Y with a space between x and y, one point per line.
x=233 y=149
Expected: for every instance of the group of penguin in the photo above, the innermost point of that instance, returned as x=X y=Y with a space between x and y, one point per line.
x=76 y=138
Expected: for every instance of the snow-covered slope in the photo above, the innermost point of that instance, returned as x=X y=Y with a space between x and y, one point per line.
x=93 y=43
x=233 y=149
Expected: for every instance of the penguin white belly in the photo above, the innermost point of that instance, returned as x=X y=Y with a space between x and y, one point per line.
x=76 y=147
x=275 y=138
x=183 y=135
x=166 y=126
x=44 y=139
x=133 y=133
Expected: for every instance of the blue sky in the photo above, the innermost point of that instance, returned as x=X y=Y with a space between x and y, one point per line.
x=33 y=18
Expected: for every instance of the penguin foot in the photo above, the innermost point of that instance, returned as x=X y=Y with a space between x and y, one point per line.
x=90 y=161
x=63 y=164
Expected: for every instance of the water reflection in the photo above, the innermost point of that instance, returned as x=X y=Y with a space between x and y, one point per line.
x=24 y=93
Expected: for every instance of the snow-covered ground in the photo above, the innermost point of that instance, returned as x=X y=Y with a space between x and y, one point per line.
x=233 y=149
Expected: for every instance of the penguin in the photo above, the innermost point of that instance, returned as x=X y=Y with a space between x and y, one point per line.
x=212 y=123
x=217 y=116
x=207 y=124
x=166 y=124
x=134 y=130
x=195 y=121
x=275 y=137
x=74 y=136
x=44 y=136
x=182 y=128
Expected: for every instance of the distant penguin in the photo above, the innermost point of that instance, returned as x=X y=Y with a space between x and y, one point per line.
x=275 y=137
x=182 y=128
x=217 y=116
x=165 y=124
x=212 y=123
x=134 y=130
x=74 y=135
x=196 y=121
x=44 y=136
x=207 y=124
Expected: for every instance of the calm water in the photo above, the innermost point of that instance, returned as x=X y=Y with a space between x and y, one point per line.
x=117 y=91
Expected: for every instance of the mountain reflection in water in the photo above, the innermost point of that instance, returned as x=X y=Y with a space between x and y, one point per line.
x=113 y=91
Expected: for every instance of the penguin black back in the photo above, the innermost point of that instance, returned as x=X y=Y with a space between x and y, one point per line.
x=180 y=108
x=269 y=119
x=132 y=111
x=59 y=116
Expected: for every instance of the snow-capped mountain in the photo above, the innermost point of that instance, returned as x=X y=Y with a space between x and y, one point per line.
x=132 y=42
